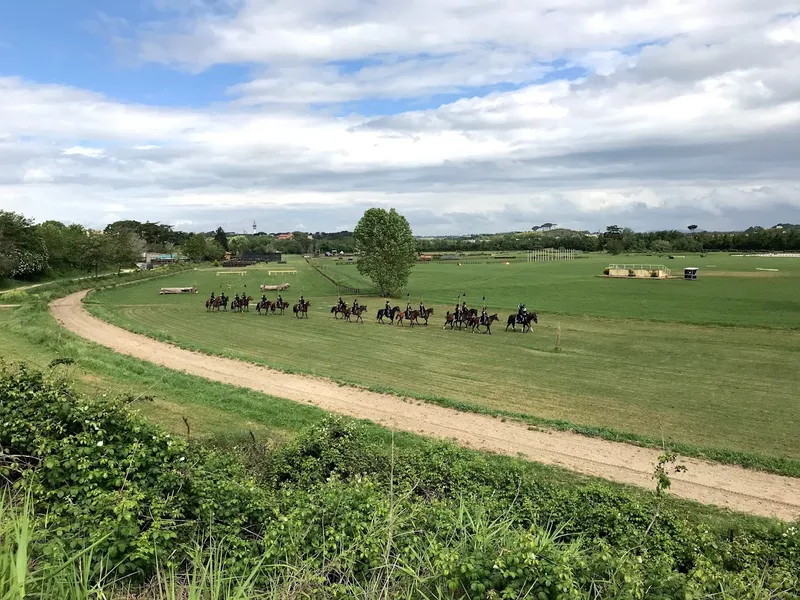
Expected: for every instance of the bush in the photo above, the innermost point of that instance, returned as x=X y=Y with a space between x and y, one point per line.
x=631 y=273
x=606 y=271
x=435 y=521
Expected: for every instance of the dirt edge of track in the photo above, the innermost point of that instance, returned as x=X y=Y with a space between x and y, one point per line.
x=726 y=486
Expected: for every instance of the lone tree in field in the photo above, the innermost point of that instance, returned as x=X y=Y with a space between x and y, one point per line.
x=387 y=249
x=692 y=228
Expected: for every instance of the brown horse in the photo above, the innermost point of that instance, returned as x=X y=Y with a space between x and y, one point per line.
x=357 y=312
x=301 y=310
x=475 y=322
x=280 y=305
x=427 y=314
x=241 y=305
x=449 y=319
x=213 y=304
x=266 y=306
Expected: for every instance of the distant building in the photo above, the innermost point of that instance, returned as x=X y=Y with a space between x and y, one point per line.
x=285 y=236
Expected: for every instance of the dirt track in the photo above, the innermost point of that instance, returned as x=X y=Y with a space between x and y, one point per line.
x=710 y=483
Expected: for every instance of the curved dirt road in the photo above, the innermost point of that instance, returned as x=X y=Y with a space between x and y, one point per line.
x=710 y=483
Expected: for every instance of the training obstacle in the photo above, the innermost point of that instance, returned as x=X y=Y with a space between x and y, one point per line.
x=242 y=273
x=550 y=254
x=637 y=271
x=178 y=290
x=274 y=288
x=283 y=272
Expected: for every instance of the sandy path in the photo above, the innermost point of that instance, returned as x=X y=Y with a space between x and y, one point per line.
x=722 y=485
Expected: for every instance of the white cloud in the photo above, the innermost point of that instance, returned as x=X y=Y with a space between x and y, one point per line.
x=707 y=119
x=83 y=151
x=37 y=176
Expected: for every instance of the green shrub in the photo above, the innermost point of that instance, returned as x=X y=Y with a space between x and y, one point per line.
x=340 y=513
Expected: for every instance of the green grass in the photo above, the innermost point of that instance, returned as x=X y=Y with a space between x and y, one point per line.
x=625 y=371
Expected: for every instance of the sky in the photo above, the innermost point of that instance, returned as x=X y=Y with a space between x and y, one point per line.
x=464 y=115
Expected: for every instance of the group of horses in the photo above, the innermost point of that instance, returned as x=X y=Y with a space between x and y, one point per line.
x=240 y=305
x=462 y=319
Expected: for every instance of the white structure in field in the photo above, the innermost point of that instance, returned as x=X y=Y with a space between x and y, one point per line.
x=549 y=254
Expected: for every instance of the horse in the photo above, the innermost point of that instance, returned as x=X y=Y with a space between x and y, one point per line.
x=213 y=304
x=477 y=322
x=337 y=310
x=389 y=314
x=264 y=305
x=280 y=305
x=357 y=312
x=526 y=322
x=426 y=314
x=449 y=319
x=413 y=317
x=301 y=310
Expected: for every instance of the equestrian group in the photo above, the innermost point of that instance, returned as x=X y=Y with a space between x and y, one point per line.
x=241 y=303
x=464 y=317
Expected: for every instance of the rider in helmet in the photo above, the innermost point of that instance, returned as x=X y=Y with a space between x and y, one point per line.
x=387 y=309
x=341 y=303
x=302 y=301
x=464 y=310
x=280 y=300
x=422 y=307
x=355 y=305
x=237 y=295
x=484 y=316
x=521 y=313
x=264 y=298
x=212 y=295
x=408 y=310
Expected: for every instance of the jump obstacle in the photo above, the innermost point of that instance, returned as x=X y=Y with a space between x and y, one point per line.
x=242 y=273
x=178 y=290
x=284 y=272
x=551 y=254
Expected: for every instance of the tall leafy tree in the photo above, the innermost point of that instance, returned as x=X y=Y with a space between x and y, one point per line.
x=22 y=248
x=387 y=249
x=221 y=238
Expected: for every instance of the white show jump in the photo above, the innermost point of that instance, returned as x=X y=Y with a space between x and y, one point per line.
x=283 y=272
x=178 y=290
x=274 y=288
x=242 y=273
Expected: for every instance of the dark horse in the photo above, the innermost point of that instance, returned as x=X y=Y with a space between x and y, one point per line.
x=266 y=306
x=339 y=309
x=388 y=314
x=513 y=320
x=241 y=305
x=301 y=310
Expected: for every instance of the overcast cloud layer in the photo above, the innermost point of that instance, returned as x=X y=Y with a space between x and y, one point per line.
x=467 y=115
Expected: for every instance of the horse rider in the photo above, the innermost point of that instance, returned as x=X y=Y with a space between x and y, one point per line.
x=341 y=303
x=387 y=310
x=408 y=310
x=457 y=312
x=263 y=299
x=280 y=300
x=422 y=310
x=464 y=310
x=522 y=313
x=212 y=296
x=302 y=301
x=237 y=297
x=484 y=316
x=355 y=305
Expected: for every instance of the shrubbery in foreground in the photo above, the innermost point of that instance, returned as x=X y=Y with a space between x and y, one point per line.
x=330 y=515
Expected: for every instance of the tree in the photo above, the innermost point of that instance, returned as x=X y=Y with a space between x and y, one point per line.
x=239 y=244
x=196 y=247
x=387 y=250
x=692 y=228
x=22 y=248
x=615 y=246
x=95 y=252
x=661 y=246
x=536 y=228
x=221 y=238
x=124 y=248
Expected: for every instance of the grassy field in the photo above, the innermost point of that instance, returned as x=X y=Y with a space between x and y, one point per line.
x=640 y=357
